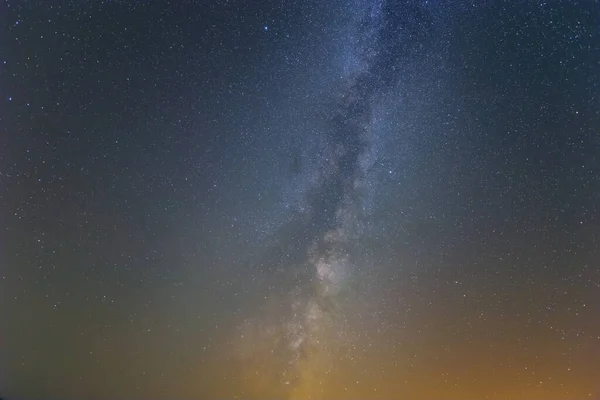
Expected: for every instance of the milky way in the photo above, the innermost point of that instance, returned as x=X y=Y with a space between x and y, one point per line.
x=316 y=324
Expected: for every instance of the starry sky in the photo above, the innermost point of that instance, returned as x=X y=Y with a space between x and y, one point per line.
x=299 y=199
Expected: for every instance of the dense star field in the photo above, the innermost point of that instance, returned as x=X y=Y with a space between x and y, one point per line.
x=300 y=199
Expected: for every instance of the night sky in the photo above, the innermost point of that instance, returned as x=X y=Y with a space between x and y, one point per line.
x=300 y=199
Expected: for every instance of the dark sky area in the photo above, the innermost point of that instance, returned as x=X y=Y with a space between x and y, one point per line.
x=300 y=199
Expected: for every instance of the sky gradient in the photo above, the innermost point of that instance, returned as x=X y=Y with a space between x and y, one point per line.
x=352 y=199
